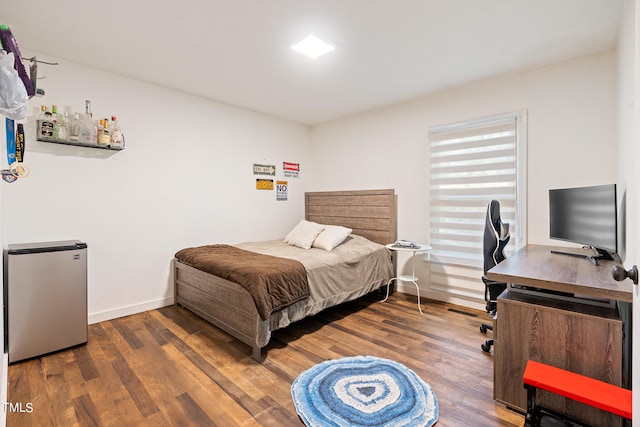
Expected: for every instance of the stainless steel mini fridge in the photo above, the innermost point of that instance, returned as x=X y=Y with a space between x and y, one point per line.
x=45 y=297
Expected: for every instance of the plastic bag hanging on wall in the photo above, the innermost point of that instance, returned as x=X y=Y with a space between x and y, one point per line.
x=13 y=95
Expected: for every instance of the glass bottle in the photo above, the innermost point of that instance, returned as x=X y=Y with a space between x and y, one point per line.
x=99 y=126
x=88 y=131
x=74 y=127
x=54 y=119
x=41 y=118
x=117 y=138
x=104 y=135
x=46 y=126
x=63 y=127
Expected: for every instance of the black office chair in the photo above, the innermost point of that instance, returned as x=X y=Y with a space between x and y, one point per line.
x=496 y=237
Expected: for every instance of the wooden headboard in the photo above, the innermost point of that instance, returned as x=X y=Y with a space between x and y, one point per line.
x=370 y=213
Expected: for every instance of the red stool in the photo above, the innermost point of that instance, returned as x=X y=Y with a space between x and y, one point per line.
x=598 y=394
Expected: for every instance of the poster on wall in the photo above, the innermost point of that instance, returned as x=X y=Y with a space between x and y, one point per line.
x=281 y=190
x=291 y=170
x=264 y=184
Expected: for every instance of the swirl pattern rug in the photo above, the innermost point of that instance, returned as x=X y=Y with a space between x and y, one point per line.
x=363 y=391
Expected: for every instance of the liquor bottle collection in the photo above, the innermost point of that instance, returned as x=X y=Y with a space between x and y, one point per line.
x=81 y=128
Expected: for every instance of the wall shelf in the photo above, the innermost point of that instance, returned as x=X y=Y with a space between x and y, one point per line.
x=82 y=144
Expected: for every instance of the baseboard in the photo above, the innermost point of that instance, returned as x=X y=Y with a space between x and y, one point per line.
x=129 y=310
x=441 y=296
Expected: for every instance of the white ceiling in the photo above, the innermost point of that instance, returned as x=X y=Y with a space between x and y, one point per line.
x=387 y=51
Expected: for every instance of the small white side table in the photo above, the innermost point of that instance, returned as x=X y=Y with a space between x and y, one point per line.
x=405 y=278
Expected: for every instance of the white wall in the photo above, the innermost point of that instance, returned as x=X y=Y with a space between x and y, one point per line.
x=185 y=178
x=572 y=140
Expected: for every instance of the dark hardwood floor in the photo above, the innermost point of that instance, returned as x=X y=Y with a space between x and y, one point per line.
x=168 y=367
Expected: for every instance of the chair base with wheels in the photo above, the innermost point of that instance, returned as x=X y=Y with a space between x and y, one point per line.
x=486 y=346
x=492 y=291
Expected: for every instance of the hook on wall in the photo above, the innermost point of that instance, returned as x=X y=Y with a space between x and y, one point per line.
x=33 y=73
x=34 y=59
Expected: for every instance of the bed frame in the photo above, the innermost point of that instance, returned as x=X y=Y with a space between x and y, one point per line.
x=227 y=305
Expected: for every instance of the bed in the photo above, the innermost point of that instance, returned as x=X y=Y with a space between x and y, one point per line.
x=370 y=214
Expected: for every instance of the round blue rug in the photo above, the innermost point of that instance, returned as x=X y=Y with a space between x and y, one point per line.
x=363 y=391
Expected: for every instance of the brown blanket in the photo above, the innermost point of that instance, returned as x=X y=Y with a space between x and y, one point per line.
x=273 y=282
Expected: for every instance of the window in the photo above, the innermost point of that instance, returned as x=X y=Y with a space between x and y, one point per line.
x=471 y=163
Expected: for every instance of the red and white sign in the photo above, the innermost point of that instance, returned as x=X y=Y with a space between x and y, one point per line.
x=291 y=170
x=291 y=166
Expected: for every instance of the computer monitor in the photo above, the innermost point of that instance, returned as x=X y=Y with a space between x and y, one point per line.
x=587 y=216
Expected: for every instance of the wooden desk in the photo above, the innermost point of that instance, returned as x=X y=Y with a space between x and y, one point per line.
x=568 y=334
x=537 y=266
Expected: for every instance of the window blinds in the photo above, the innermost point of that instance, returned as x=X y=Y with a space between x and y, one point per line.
x=472 y=163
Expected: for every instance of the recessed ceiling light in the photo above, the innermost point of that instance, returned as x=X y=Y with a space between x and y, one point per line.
x=313 y=47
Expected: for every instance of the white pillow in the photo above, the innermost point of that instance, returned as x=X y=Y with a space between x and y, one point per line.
x=331 y=236
x=304 y=234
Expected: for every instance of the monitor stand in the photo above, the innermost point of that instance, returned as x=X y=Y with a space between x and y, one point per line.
x=601 y=254
x=591 y=259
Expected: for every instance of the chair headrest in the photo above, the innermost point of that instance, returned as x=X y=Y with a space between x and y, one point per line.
x=493 y=215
